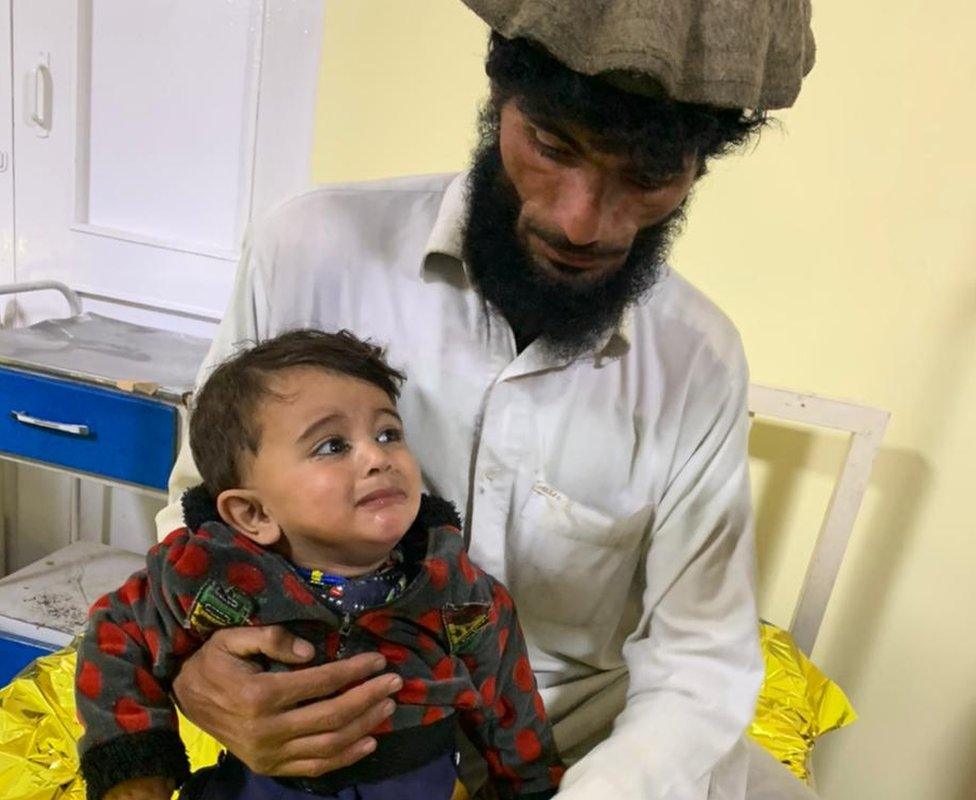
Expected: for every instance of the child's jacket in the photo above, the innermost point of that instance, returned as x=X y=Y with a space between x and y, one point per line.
x=452 y=634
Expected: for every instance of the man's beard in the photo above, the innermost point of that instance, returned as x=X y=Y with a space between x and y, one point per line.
x=567 y=318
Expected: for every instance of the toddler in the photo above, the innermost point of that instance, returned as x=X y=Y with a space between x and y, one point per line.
x=311 y=516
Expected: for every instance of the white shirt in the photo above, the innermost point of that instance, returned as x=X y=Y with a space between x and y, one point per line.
x=609 y=493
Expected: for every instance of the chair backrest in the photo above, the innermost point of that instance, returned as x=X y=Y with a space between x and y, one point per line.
x=866 y=427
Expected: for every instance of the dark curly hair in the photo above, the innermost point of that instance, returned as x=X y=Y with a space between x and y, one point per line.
x=657 y=134
x=222 y=422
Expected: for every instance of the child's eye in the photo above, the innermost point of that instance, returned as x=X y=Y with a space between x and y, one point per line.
x=331 y=447
x=390 y=435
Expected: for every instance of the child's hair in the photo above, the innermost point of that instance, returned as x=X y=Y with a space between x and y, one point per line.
x=223 y=424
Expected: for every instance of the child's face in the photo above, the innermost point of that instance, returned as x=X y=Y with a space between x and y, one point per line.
x=333 y=471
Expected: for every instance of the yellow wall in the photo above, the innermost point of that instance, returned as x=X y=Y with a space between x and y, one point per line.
x=844 y=247
x=399 y=90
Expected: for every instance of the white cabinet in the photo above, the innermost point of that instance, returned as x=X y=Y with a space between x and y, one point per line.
x=139 y=138
x=145 y=135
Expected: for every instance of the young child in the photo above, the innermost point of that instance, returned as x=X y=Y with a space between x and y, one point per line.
x=311 y=515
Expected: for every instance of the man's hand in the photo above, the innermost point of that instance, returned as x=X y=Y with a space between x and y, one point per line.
x=257 y=716
x=142 y=789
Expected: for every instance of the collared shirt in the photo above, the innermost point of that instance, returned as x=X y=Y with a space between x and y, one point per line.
x=609 y=492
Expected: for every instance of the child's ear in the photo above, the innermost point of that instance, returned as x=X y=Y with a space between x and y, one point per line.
x=242 y=509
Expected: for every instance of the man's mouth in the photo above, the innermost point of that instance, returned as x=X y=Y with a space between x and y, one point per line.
x=577 y=265
x=381 y=498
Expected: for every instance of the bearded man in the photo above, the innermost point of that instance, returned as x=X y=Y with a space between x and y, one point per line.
x=582 y=403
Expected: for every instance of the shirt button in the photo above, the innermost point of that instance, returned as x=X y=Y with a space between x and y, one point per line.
x=492 y=473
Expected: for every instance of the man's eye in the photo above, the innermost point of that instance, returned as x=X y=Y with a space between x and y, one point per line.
x=389 y=435
x=331 y=447
x=549 y=149
x=648 y=183
x=555 y=153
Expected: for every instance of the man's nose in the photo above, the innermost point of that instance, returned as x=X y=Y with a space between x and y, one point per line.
x=583 y=210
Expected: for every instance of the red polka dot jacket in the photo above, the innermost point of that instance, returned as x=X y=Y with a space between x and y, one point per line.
x=452 y=634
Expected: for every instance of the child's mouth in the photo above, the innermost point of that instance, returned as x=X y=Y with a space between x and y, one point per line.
x=381 y=498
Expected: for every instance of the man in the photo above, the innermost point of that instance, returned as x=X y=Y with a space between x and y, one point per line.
x=582 y=403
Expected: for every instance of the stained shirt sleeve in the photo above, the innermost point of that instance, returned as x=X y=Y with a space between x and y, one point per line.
x=126 y=662
x=510 y=728
x=694 y=662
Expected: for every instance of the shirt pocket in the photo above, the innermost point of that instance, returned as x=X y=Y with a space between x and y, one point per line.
x=573 y=564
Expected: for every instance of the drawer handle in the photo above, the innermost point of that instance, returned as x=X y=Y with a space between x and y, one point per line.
x=63 y=427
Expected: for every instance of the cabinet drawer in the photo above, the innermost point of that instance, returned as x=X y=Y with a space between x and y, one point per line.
x=124 y=438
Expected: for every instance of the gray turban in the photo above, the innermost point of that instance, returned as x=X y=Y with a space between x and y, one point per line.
x=730 y=53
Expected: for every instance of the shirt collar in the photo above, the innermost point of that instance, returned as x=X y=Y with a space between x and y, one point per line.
x=447 y=236
x=447 y=239
x=621 y=335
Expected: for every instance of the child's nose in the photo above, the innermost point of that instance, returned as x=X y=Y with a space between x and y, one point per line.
x=376 y=458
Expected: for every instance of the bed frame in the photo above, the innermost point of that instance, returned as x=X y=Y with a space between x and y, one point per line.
x=865 y=426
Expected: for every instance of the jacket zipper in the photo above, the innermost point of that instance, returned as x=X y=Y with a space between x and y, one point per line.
x=344 y=634
x=347 y=618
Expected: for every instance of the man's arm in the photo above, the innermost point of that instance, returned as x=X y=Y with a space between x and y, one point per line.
x=268 y=719
x=695 y=665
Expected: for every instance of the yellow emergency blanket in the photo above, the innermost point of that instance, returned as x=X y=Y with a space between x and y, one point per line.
x=797 y=703
x=39 y=731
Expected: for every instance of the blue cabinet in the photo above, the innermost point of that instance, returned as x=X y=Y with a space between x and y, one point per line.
x=87 y=429
x=15 y=654
x=61 y=407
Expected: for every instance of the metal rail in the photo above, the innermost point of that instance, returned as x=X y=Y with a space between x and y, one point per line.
x=74 y=301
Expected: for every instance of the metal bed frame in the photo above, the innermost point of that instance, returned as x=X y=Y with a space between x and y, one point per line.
x=866 y=427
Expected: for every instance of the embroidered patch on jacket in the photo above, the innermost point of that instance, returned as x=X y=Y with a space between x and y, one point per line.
x=462 y=623
x=219 y=606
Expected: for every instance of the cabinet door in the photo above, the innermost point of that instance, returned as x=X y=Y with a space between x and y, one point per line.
x=147 y=134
